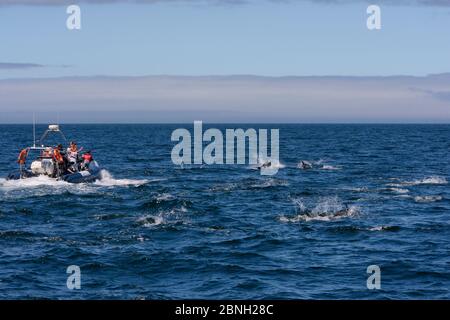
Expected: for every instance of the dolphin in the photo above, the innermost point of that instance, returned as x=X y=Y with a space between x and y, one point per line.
x=266 y=164
x=305 y=165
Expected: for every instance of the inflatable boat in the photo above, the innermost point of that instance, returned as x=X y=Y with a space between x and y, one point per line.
x=91 y=174
x=45 y=164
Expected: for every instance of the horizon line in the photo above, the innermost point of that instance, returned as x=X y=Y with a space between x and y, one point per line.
x=241 y=75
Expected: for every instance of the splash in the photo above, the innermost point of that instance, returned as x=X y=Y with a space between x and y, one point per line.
x=328 y=205
x=319 y=162
x=107 y=180
x=277 y=164
x=299 y=204
x=150 y=221
x=327 y=209
x=274 y=163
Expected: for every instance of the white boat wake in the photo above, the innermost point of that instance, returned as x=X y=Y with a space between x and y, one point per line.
x=107 y=180
x=44 y=185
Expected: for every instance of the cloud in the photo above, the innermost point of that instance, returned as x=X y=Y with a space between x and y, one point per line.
x=443 y=95
x=229 y=99
x=440 y=3
x=18 y=65
x=25 y=66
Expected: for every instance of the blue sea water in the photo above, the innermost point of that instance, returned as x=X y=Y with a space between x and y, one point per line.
x=152 y=230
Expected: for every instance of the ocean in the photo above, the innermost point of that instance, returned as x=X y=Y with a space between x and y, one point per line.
x=153 y=230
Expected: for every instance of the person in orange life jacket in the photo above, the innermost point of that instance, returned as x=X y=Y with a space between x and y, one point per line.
x=63 y=154
x=59 y=160
x=87 y=159
x=22 y=159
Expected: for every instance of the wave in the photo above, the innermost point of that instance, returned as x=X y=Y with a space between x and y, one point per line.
x=398 y=190
x=165 y=197
x=165 y=201
x=249 y=185
x=267 y=183
x=384 y=228
x=436 y=180
x=224 y=188
x=424 y=199
x=431 y=180
x=358 y=189
x=354 y=229
x=329 y=167
x=16 y=234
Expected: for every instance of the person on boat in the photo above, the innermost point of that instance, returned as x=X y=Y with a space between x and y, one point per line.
x=22 y=159
x=60 y=148
x=87 y=159
x=63 y=154
x=47 y=153
x=72 y=157
x=59 y=161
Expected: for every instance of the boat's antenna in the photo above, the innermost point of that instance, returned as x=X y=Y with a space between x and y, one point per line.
x=34 y=130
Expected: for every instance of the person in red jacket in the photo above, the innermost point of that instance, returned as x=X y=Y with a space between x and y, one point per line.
x=22 y=159
x=87 y=159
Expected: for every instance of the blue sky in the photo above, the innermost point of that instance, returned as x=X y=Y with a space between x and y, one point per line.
x=203 y=37
x=261 y=38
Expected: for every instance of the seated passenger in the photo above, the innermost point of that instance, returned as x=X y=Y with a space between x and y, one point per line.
x=47 y=153
x=87 y=159
x=72 y=157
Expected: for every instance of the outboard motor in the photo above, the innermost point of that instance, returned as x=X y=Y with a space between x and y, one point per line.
x=36 y=167
x=44 y=166
x=48 y=166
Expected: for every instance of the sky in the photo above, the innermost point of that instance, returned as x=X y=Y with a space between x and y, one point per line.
x=137 y=43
